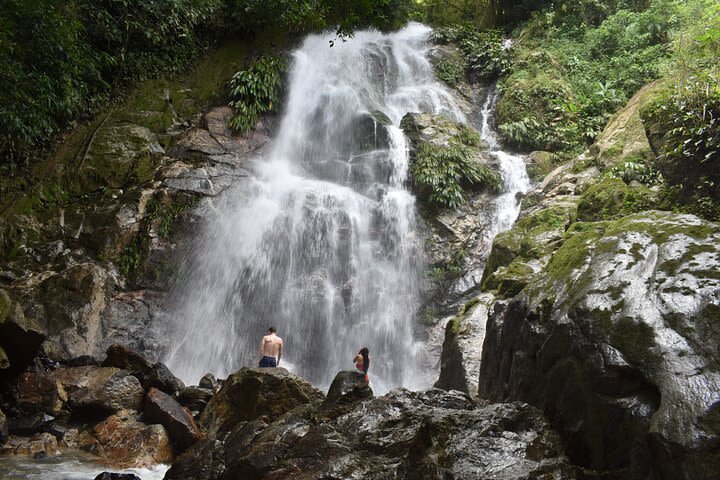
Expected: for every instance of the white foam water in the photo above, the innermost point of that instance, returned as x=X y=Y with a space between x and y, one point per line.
x=326 y=247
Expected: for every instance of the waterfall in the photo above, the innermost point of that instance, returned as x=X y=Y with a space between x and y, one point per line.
x=512 y=168
x=325 y=245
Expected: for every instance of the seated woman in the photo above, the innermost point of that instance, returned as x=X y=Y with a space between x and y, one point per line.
x=362 y=361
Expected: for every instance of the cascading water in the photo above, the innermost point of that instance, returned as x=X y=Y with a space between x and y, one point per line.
x=326 y=248
x=512 y=169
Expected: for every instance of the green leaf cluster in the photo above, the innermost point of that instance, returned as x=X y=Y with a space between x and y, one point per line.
x=442 y=173
x=576 y=63
x=484 y=52
x=255 y=91
x=63 y=58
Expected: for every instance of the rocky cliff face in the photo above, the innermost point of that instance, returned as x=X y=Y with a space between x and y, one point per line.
x=91 y=241
x=607 y=317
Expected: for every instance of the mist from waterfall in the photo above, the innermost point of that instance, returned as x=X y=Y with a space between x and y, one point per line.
x=325 y=245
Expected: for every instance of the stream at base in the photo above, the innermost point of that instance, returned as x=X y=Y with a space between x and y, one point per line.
x=69 y=466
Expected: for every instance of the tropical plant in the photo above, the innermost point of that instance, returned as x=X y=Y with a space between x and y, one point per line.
x=255 y=91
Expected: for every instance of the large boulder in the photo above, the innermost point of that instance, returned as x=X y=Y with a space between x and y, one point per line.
x=120 y=392
x=122 y=441
x=84 y=377
x=624 y=138
x=617 y=341
x=253 y=392
x=462 y=347
x=348 y=387
x=20 y=338
x=69 y=306
x=38 y=391
x=433 y=434
x=163 y=409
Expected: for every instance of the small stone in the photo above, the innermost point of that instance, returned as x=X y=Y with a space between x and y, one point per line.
x=117 y=476
x=209 y=381
x=38 y=446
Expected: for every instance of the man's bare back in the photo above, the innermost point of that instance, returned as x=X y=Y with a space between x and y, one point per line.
x=271 y=346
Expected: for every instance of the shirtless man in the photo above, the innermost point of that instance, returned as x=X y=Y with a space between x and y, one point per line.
x=270 y=347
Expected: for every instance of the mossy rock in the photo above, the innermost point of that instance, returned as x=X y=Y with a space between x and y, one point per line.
x=533 y=237
x=119 y=154
x=612 y=198
x=541 y=163
x=624 y=138
x=509 y=280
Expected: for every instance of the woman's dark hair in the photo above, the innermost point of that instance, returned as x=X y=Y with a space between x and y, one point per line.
x=366 y=358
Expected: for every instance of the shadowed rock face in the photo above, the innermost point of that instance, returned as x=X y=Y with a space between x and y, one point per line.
x=432 y=434
x=617 y=341
x=254 y=392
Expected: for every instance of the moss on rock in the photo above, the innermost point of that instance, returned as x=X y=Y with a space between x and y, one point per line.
x=611 y=198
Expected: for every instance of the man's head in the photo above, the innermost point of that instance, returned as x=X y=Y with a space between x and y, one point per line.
x=271 y=330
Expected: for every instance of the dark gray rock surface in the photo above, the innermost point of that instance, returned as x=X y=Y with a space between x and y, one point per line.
x=617 y=342
x=433 y=434
x=121 y=391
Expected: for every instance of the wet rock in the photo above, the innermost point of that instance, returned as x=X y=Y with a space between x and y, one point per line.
x=117 y=476
x=38 y=391
x=253 y=392
x=121 y=391
x=124 y=442
x=120 y=356
x=462 y=348
x=29 y=424
x=88 y=377
x=433 y=434
x=621 y=324
x=209 y=381
x=69 y=306
x=38 y=446
x=348 y=387
x=118 y=154
x=195 y=398
x=624 y=138
x=20 y=338
x=163 y=409
x=3 y=427
x=161 y=378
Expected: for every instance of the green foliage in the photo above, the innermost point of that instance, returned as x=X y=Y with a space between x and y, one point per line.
x=255 y=91
x=63 y=59
x=450 y=71
x=484 y=51
x=576 y=64
x=442 y=173
x=645 y=173
x=298 y=16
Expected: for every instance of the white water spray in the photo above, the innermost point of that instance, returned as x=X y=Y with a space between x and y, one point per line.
x=512 y=169
x=326 y=248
